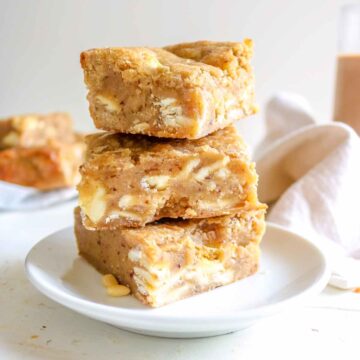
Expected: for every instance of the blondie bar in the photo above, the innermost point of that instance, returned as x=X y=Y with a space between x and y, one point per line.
x=44 y=167
x=182 y=91
x=35 y=130
x=167 y=261
x=131 y=180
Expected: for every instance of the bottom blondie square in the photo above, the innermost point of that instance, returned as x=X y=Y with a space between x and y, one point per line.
x=45 y=167
x=170 y=260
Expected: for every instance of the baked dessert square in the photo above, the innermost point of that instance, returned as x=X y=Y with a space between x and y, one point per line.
x=170 y=260
x=182 y=91
x=44 y=167
x=131 y=180
x=35 y=130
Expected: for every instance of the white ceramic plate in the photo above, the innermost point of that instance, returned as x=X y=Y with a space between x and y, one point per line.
x=291 y=270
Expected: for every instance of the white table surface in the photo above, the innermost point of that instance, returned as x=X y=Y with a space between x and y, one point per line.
x=34 y=327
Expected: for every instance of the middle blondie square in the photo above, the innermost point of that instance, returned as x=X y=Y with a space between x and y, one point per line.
x=131 y=180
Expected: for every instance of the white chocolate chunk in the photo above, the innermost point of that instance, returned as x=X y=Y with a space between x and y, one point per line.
x=131 y=215
x=172 y=114
x=153 y=63
x=141 y=286
x=28 y=123
x=143 y=274
x=188 y=168
x=180 y=121
x=222 y=173
x=32 y=123
x=158 y=182
x=169 y=286
x=140 y=127
x=135 y=255
x=211 y=186
x=166 y=102
x=218 y=204
x=127 y=201
x=11 y=139
x=207 y=170
x=209 y=150
x=112 y=216
x=109 y=104
x=95 y=208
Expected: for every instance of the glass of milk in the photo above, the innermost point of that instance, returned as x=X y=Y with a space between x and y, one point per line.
x=347 y=93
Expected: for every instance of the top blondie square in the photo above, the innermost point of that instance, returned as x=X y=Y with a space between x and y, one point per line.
x=187 y=90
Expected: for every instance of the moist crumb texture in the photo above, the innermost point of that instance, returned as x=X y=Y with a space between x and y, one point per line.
x=173 y=259
x=182 y=91
x=129 y=181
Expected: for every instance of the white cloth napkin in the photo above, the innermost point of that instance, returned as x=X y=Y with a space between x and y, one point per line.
x=15 y=197
x=310 y=174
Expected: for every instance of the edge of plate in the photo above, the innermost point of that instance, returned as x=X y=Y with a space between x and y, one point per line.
x=139 y=316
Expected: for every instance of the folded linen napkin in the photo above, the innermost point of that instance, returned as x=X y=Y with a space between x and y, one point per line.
x=16 y=197
x=310 y=175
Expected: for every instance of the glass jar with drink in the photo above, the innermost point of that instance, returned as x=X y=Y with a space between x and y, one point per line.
x=347 y=94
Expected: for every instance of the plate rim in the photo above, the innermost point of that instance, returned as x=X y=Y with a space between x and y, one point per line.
x=86 y=306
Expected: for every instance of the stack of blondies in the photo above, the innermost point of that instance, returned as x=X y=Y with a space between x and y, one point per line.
x=168 y=196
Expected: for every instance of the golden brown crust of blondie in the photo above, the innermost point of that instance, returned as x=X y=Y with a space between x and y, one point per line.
x=181 y=91
x=230 y=57
x=173 y=259
x=34 y=130
x=129 y=180
x=45 y=167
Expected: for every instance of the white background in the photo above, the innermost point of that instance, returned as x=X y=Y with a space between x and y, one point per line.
x=40 y=42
